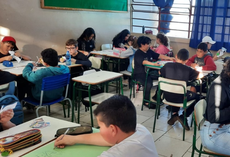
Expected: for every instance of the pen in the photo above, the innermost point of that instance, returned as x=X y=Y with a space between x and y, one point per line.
x=63 y=135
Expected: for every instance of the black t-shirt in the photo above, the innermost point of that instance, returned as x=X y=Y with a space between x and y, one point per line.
x=86 y=45
x=177 y=71
x=80 y=56
x=2 y=55
x=139 y=57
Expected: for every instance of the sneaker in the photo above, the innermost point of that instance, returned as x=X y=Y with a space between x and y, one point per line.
x=173 y=119
x=181 y=120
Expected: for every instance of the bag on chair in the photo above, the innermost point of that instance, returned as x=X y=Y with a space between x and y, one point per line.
x=18 y=112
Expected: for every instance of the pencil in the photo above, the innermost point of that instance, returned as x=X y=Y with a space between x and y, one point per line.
x=63 y=135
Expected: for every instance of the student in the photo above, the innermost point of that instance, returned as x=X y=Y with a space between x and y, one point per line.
x=132 y=47
x=6 y=77
x=5 y=118
x=179 y=71
x=214 y=133
x=143 y=56
x=121 y=38
x=86 y=42
x=202 y=59
x=116 y=117
x=162 y=41
x=50 y=60
x=9 y=44
x=76 y=57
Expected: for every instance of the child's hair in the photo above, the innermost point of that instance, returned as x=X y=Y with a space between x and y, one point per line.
x=118 y=110
x=121 y=36
x=87 y=33
x=183 y=54
x=143 y=40
x=203 y=46
x=225 y=74
x=163 y=39
x=50 y=56
x=133 y=39
x=71 y=42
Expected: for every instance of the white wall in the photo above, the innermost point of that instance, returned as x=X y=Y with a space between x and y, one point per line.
x=36 y=29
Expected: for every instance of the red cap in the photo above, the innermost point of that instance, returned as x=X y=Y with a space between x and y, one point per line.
x=9 y=38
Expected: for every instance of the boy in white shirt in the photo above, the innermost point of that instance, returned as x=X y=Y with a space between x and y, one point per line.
x=116 y=117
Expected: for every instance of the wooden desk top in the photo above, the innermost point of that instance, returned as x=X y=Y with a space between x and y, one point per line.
x=107 y=53
x=97 y=77
x=47 y=132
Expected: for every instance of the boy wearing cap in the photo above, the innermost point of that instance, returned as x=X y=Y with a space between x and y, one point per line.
x=116 y=117
x=208 y=40
x=202 y=59
x=8 y=43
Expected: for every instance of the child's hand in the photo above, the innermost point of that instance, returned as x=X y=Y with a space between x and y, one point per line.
x=193 y=65
x=62 y=142
x=6 y=116
x=8 y=58
x=62 y=59
x=157 y=64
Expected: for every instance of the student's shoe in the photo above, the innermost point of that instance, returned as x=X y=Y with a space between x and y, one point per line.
x=173 y=119
x=152 y=105
x=181 y=120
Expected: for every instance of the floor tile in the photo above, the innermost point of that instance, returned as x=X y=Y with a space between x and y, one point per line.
x=169 y=146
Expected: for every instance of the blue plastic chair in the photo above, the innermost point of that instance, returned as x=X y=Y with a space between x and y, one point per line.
x=48 y=84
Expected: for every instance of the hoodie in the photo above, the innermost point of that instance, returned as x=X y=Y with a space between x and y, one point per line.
x=37 y=76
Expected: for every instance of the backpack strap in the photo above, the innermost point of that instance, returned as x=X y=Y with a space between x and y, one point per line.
x=8 y=96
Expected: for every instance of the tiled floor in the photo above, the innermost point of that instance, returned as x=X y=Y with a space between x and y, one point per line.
x=168 y=139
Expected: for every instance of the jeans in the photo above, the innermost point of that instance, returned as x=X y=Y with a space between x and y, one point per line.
x=216 y=137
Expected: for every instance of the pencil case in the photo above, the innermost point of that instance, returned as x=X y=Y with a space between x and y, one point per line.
x=21 y=140
x=77 y=130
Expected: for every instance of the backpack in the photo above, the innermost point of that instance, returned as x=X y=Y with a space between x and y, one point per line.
x=18 y=111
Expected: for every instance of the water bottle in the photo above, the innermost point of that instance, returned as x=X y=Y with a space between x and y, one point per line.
x=68 y=58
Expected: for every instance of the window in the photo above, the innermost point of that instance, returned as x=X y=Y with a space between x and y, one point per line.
x=146 y=13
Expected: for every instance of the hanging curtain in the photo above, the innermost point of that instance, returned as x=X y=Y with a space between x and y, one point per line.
x=211 y=18
x=165 y=6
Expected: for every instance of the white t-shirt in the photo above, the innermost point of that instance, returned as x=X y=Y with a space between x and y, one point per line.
x=140 y=144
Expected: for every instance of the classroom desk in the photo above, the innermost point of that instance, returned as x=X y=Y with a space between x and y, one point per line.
x=47 y=132
x=17 y=68
x=95 y=78
x=109 y=54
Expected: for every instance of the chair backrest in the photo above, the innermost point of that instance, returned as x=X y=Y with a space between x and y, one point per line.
x=106 y=47
x=172 y=86
x=199 y=111
x=96 y=62
x=55 y=82
x=219 y=67
x=7 y=89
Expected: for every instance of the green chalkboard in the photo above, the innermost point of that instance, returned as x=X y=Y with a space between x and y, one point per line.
x=92 y=5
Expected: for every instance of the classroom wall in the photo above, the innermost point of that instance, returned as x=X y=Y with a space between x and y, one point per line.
x=36 y=29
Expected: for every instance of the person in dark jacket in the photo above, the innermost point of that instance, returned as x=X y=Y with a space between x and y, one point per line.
x=76 y=57
x=86 y=42
x=6 y=77
x=121 y=38
x=215 y=132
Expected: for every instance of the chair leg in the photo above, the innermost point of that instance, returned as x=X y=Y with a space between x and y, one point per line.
x=63 y=105
x=38 y=109
x=201 y=146
x=71 y=105
x=130 y=94
x=156 y=115
x=185 y=118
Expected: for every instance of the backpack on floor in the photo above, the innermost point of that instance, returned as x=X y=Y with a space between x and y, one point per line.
x=18 y=111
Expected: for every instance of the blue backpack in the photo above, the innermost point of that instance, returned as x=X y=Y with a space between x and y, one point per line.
x=9 y=98
x=18 y=112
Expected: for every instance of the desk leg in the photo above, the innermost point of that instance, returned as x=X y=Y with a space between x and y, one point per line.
x=73 y=101
x=90 y=104
x=121 y=86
